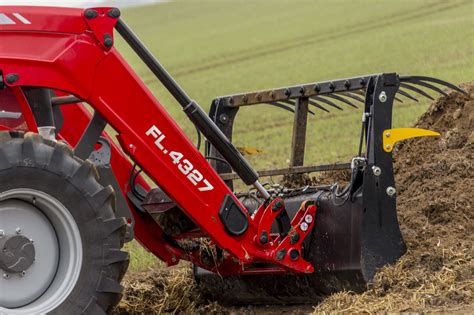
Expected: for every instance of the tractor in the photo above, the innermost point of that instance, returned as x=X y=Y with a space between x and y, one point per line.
x=90 y=160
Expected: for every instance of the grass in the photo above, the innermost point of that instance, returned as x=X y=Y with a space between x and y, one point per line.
x=216 y=48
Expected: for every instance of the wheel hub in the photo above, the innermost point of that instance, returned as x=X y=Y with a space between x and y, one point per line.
x=40 y=252
x=17 y=253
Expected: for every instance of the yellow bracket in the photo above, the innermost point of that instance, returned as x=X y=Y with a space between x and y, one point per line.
x=392 y=136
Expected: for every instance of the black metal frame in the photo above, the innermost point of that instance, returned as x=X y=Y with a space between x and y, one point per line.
x=300 y=99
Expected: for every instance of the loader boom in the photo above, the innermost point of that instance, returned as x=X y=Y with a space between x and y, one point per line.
x=146 y=132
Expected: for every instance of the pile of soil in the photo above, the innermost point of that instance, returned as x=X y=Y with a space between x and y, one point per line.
x=435 y=183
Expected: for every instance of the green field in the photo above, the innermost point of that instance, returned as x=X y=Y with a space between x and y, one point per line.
x=216 y=48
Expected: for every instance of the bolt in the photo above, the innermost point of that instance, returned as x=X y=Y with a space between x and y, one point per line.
x=18 y=230
x=108 y=41
x=294 y=254
x=224 y=118
x=6 y=276
x=332 y=86
x=12 y=78
x=383 y=97
x=391 y=191
x=277 y=205
x=317 y=88
x=308 y=218
x=387 y=134
x=376 y=170
x=130 y=146
x=2 y=233
x=304 y=226
x=388 y=147
x=264 y=237
x=90 y=14
x=294 y=238
x=280 y=254
x=114 y=13
x=22 y=273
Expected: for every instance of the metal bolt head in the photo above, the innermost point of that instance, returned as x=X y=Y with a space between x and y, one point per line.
x=108 y=41
x=388 y=147
x=12 y=78
x=383 y=97
x=391 y=191
x=308 y=218
x=376 y=170
x=2 y=233
x=294 y=254
x=304 y=226
x=6 y=276
x=22 y=273
x=114 y=13
x=387 y=134
x=91 y=14
x=223 y=118
x=264 y=238
x=18 y=230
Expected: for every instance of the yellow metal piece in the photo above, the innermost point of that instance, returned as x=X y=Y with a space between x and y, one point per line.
x=249 y=151
x=392 y=136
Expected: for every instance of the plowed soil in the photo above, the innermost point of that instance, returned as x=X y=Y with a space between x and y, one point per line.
x=435 y=183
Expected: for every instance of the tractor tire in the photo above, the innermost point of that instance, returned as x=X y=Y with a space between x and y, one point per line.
x=60 y=237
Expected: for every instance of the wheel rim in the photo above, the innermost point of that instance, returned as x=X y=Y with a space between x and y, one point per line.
x=43 y=221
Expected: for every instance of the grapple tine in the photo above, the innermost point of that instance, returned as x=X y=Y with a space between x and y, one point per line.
x=353 y=96
x=321 y=99
x=399 y=100
x=417 y=90
x=407 y=95
x=282 y=106
x=339 y=98
x=359 y=92
x=415 y=79
x=311 y=102
x=429 y=86
x=287 y=105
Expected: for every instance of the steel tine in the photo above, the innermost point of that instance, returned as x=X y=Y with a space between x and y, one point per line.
x=429 y=86
x=342 y=99
x=407 y=95
x=282 y=106
x=291 y=103
x=311 y=102
x=359 y=92
x=326 y=101
x=434 y=80
x=399 y=100
x=417 y=90
x=353 y=96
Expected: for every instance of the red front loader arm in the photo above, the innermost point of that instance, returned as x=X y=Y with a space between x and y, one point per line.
x=63 y=50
